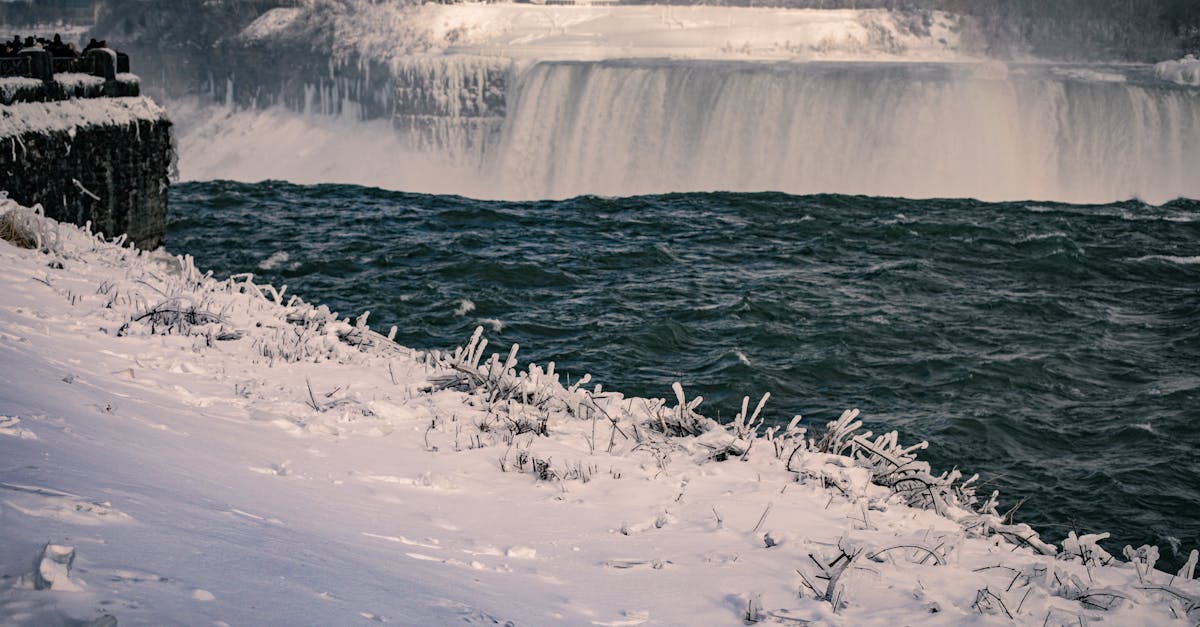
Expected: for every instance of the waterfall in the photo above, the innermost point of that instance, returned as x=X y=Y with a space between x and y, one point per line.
x=623 y=128
x=555 y=129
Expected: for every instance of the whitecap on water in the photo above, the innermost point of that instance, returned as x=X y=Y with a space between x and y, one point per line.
x=1183 y=261
x=276 y=260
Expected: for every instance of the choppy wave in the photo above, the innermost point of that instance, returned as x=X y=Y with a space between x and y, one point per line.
x=1171 y=259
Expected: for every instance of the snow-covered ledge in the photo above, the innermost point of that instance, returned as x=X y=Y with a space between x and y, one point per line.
x=99 y=160
x=181 y=449
x=67 y=86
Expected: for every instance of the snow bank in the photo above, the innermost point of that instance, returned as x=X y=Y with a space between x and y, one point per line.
x=179 y=448
x=389 y=31
x=25 y=117
x=1185 y=71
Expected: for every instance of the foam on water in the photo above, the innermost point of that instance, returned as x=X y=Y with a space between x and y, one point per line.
x=1171 y=259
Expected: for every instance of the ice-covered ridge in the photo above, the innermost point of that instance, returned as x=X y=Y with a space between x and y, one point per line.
x=391 y=31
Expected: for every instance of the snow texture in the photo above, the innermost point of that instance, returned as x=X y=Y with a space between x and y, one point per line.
x=218 y=452
x=72 y=80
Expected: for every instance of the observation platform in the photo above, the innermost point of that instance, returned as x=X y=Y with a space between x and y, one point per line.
x=36 y=76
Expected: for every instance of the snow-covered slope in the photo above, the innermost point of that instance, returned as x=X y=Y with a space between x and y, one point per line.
x=180 y=450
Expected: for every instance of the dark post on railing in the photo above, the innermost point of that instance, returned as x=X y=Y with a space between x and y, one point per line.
x=104 y=63
x=41 y=64
x=122 y=63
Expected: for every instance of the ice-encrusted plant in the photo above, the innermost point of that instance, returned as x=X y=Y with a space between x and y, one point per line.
x=28 y=228
x=892 y=465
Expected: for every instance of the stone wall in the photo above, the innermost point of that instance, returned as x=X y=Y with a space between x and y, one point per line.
x=109 y=167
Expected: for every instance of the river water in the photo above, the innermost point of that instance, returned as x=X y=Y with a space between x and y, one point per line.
x=1054 y=349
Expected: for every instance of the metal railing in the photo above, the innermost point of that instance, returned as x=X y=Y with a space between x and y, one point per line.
x=14 y=66
x=76 y=65
x=31 y=64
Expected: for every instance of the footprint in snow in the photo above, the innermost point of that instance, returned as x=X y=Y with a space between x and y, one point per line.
x=632 y=617
x=405 y=541
x=40 y=502
x=267 y=519
x=282 y=469
x=9 y=426
x=521 y=552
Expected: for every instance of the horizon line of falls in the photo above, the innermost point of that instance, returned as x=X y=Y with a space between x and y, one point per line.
x=557 y=129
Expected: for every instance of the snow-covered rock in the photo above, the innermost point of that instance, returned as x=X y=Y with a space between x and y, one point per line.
x=1185 y=71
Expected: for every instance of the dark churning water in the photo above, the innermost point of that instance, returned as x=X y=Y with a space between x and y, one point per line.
x=1054 y=349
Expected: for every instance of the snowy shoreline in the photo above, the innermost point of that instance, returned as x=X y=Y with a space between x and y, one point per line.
x=221 y=452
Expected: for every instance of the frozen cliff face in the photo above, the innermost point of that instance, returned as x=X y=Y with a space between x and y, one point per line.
x=193 y=25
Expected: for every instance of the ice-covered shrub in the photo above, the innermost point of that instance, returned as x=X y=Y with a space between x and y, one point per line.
x=27 y=228
x=826 y=585
x=175 y=316
x=1085 y=549
x=525 y=402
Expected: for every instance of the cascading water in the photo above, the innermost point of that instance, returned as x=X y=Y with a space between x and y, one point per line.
x=622 y=128
x=560 y=129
